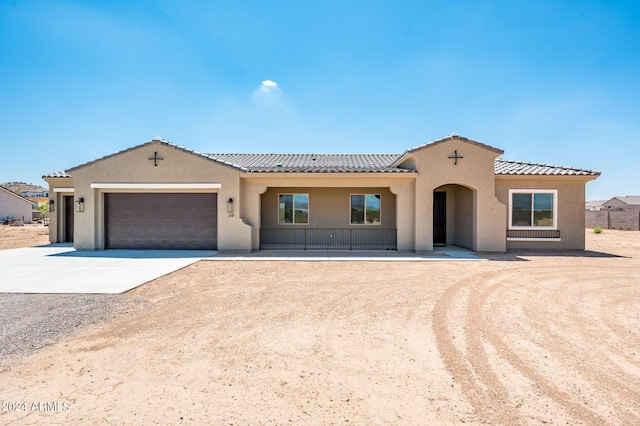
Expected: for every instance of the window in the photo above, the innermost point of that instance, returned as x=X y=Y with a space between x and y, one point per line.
x=293 y=208
x=530 y=208
x=365 y=209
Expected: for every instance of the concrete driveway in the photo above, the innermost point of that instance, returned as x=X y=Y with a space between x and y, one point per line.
x=58 y=268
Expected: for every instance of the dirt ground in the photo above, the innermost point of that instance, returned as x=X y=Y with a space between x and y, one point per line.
x=523 y=338
x=29 y=235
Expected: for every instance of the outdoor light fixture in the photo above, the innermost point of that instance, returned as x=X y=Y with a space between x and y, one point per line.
x=52 y=205
x=230 y=206
x=80 y=204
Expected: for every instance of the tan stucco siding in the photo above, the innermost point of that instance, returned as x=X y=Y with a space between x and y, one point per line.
x=177 y=166
x=328 y=207
x=570 y=209
x=14 y=207
x=475 y=171
x=56 y=217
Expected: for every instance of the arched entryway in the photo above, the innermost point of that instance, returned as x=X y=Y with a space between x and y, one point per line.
x=454 y=216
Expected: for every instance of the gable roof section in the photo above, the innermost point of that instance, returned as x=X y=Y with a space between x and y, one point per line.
x=595 y=203
x=344 y=163
x=4 y=190
x=154 y=140
x=631 y=200
x=515 y=168
x=452 y=137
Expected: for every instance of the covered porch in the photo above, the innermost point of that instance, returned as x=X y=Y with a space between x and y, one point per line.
x=312 y=218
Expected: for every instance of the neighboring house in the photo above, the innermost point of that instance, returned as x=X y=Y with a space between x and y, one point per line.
x=13 y=206
x=630 y=203
x=594 y=206
x=450 y=191
x=39 y=197
x=616 y=213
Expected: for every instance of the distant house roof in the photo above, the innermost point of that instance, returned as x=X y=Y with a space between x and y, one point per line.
x=345 y=163
x=594 y=203
x=4 y=190
x=631 y=200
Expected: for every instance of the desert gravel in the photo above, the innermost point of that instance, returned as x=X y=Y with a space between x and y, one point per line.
x=33 y=321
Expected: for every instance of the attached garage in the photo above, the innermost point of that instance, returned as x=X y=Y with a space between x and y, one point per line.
x=176 y=221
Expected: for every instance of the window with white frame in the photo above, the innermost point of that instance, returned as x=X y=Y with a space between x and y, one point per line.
x=533 y=208
x=293 y=209
x=365 y=209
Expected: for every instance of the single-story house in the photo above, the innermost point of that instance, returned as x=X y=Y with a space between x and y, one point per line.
x=450 y=191
x=629 y=203
x=13 y=206
x=594 y=205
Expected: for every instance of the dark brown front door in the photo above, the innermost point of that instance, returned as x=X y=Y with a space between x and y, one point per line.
x=68 y=219
x=161 y=221
x=439 y=218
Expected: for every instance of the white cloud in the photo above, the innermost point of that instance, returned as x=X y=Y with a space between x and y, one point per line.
x=268 y=86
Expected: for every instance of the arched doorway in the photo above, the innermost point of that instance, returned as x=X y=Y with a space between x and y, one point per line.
x=454 y=216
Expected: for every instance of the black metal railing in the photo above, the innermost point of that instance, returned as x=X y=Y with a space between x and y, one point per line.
x=328 y=239
x=533 y=233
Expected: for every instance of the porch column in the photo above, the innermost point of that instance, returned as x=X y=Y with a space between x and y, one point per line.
x=424 y=214
x=405 y=215
x=250 y=211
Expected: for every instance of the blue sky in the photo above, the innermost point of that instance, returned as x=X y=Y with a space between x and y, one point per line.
x=546 y=81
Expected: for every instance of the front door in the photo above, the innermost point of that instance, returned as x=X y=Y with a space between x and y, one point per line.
x=68 y=219
x=439 y=218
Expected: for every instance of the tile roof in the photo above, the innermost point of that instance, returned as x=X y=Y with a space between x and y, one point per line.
x=595 y=203
x=632 y=200
x=512 y=168
x=57 y=175
x=344 y=163
x=311 y=163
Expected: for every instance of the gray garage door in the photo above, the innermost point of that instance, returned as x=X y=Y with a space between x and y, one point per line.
x=161 y=221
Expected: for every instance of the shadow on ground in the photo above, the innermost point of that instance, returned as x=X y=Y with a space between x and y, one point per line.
x=519 y=254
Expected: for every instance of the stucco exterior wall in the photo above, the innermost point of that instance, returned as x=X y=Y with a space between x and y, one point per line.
x=328 y=207
x=56 y=217
x=177 y=166
x=14 y=207
x=571 y=199
x=475 y=171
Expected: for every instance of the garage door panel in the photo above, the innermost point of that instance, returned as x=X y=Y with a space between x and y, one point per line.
x=161 y=221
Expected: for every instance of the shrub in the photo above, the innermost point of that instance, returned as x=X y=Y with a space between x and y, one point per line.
x=597 y=230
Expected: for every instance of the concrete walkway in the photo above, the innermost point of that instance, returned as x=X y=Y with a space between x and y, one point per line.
x=439 y=254
x=58 y=268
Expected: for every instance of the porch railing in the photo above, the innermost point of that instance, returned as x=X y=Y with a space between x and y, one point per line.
x=328 y=239
x=533 y=233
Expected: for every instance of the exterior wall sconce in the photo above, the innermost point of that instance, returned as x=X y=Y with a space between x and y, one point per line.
x=52 y=205
x=230 y=207
x=80 y=204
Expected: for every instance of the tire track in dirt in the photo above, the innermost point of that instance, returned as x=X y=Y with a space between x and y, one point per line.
x=479 y=389
x=488 y=395
x=591 y=364
x=575 y=407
